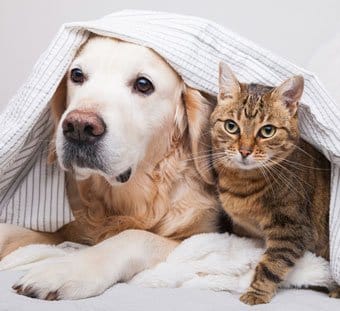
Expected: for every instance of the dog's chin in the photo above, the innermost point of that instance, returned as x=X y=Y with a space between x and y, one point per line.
x=84 y=165
x=121 y=178
x=113 y=176
x=114 y=179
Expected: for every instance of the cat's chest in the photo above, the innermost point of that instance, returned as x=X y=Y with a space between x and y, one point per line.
x=244 y=205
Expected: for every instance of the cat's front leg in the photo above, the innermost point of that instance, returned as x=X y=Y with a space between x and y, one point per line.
x=284 y=248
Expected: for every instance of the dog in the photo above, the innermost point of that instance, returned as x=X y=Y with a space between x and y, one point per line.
x=134 y=142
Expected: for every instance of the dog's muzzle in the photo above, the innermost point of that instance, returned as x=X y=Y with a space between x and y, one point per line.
x=83 y=131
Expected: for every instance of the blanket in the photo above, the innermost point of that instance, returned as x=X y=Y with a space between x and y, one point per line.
x=32 y=194
x=219 y=262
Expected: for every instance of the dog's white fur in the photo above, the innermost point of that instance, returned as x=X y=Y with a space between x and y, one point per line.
x=132 y=119
x=90 y=271
x=134 y=123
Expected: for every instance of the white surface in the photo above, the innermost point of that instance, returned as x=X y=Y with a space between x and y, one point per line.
x=290 y=28
x=124 y=297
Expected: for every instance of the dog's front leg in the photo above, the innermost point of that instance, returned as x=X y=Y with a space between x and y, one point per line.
x=91 y=271
x=12 y=237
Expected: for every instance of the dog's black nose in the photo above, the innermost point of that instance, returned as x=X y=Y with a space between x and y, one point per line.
x=83 y=126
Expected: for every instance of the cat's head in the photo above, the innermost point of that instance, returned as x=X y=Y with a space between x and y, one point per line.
x=254 y=125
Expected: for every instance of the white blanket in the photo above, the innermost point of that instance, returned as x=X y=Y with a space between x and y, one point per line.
x=32 y=194
x=220 y=262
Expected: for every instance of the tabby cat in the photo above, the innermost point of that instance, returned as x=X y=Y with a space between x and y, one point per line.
x=272 y=183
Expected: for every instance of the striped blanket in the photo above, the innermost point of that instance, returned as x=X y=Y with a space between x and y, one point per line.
x=32 y=193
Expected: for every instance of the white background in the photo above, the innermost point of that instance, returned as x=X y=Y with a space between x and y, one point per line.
x=294 y=29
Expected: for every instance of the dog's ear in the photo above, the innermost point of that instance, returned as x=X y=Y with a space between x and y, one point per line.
x=57 y=106
x=198 y=110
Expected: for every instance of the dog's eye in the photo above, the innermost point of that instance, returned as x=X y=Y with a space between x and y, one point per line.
x=77 y=76
x=143 y=85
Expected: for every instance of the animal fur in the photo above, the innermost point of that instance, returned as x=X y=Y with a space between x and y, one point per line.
x=169 y=195
x=274 y=187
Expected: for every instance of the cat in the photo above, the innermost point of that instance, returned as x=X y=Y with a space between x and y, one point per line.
x=273 y=184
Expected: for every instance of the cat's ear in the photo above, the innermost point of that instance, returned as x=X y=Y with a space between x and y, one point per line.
x=290 y=92
x=229 y=87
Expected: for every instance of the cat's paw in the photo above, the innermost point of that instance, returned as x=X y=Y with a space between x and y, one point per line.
x=254 y=298
x=335 y=293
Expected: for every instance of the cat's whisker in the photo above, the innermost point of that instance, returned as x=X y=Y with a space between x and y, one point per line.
x=206 y=152
x=204 y=157
x=290 y=172
x=285 y=180
x=304 y=195
x=209 y=166
x=297 y=147
x=289 y=183
x=216 y=158
x=300 y=166
x=263 y=170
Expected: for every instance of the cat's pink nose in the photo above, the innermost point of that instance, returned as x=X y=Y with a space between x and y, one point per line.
x=245 y=151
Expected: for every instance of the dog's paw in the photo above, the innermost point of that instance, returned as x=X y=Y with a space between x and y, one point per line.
x=254 y=298
x=68 y=277
x=25 y=257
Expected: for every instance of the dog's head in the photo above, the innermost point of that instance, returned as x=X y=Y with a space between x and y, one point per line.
x=115 y=106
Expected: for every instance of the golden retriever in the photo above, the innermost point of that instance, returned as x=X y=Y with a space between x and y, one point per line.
x=133 y=139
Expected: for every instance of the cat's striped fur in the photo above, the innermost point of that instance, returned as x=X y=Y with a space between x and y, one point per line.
x=276 y=188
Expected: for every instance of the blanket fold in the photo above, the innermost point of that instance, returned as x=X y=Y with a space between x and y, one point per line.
x=32 y=194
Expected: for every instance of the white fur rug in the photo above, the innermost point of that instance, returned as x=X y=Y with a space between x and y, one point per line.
x=205 y=261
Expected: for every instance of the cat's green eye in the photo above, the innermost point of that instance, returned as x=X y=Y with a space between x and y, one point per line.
x=231 y=127
x=267 y=131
